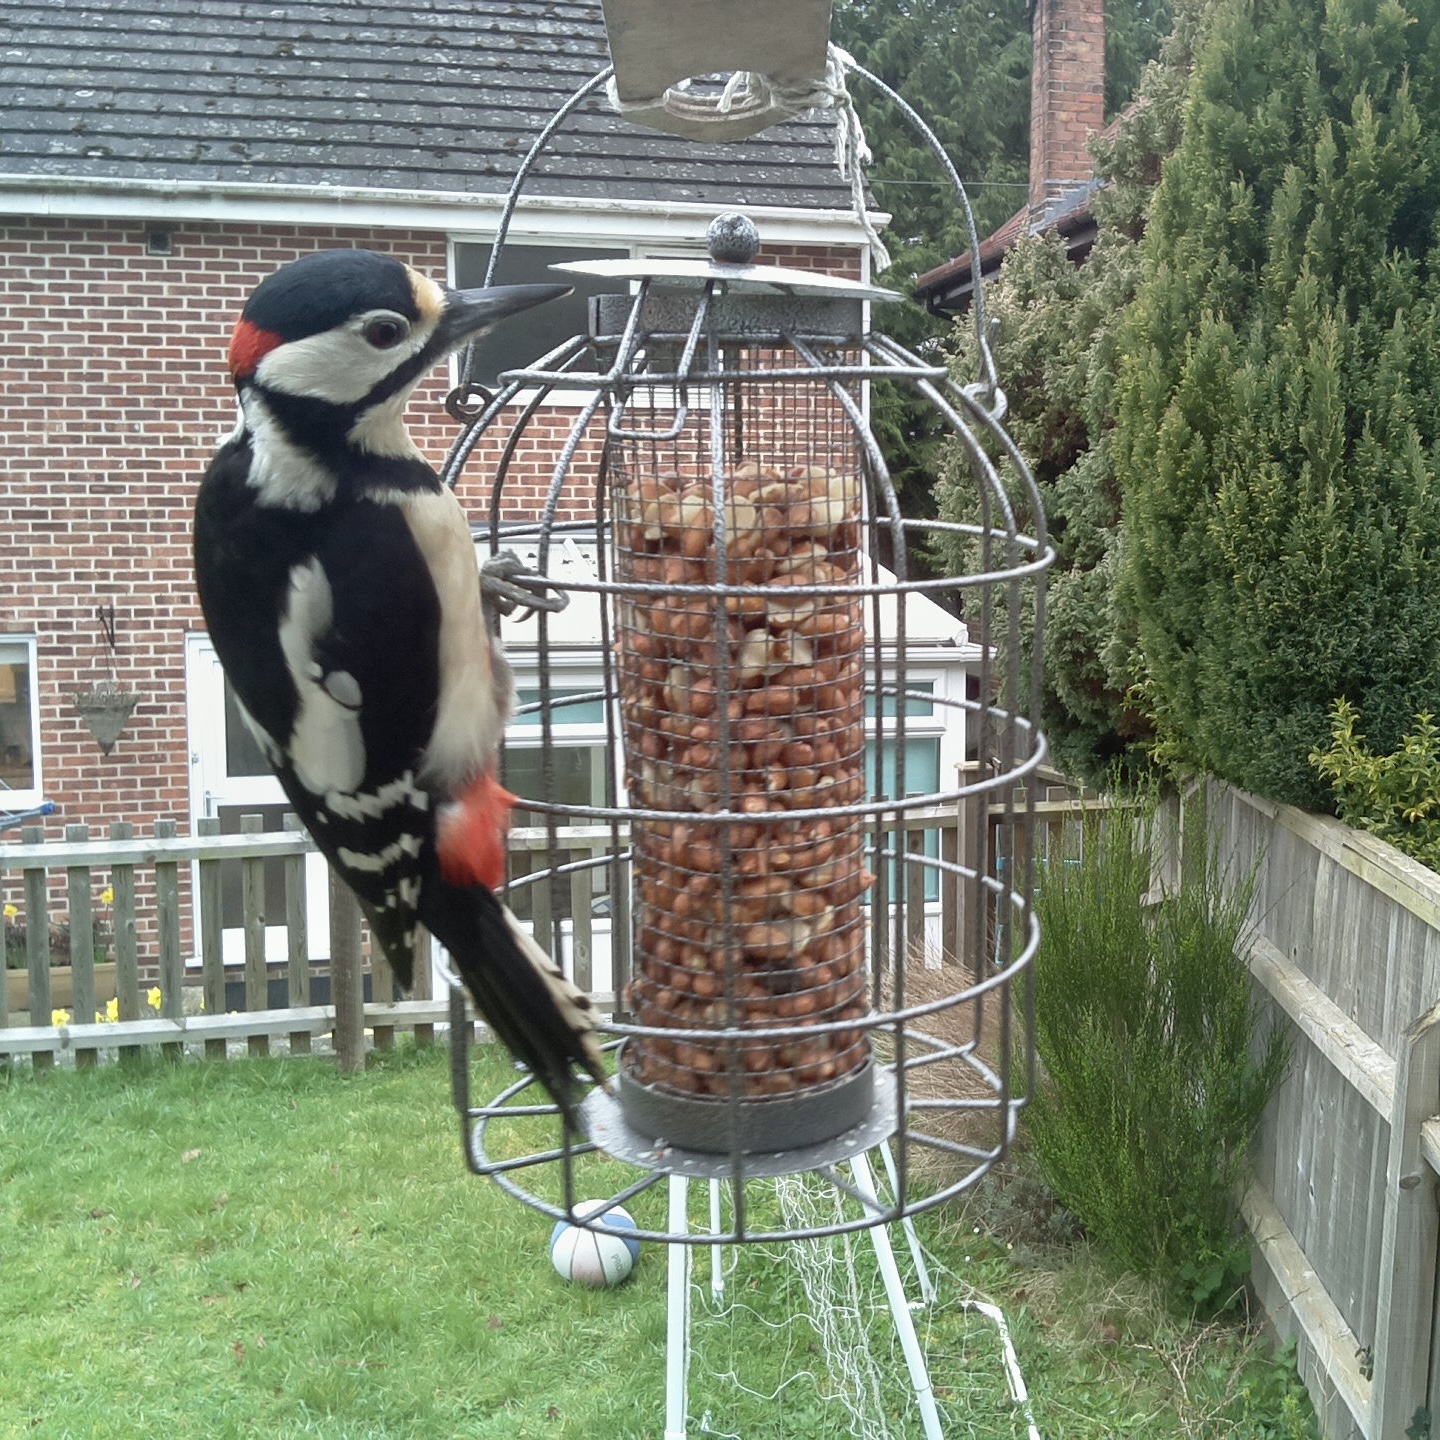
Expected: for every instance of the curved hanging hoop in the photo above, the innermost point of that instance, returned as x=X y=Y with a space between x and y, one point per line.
x=460 y=402
x=472 y=403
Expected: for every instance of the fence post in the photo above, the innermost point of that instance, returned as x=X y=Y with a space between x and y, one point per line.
x=951 y=891
x=252 y=907
x=4 y=988
x=620 y=930
x=167 y=918
x=127 y=960
x=582 y=928
x=209 y=921
x=423 y=985
x=347 y=983
x=37 y=945
x=912 y=856
x=297 y=937
x=82 y=944
x=382 y=992
x=1405 y=1310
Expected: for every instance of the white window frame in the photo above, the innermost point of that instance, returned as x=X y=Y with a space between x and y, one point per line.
x=34 y=795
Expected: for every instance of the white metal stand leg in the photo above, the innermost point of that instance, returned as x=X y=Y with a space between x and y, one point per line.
x=895 y=1292
x=917 y=1255
x=717 y=1269
x=677 y=1328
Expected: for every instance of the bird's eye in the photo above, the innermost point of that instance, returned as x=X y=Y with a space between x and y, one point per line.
x=384 y=333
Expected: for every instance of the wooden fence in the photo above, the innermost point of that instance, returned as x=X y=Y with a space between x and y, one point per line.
x=580 y=914
x=167 y=860
x=1346 y=943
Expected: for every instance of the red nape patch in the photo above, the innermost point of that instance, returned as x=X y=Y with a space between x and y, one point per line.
x=249 y=345
x=471 y=834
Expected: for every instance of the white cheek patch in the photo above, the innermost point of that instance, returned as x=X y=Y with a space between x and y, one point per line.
x=339 y=366
x=380 y=430
x=327 y=750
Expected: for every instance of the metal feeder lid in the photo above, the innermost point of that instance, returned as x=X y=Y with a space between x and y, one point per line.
x=730 y=238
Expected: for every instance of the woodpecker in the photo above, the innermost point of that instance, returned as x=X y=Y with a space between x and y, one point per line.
x=337 y=578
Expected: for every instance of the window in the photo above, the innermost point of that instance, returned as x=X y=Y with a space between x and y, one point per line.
x=525 y=338
x=922 y=762
x=19 y=725
x=574 y=773
x=243 y=755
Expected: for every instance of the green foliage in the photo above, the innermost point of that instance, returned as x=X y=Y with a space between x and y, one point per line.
x=1058 y=358
x=1278 y=409
x=1147 y=1031
x=1394 y=796
x=1134 y=30
x=965 y=67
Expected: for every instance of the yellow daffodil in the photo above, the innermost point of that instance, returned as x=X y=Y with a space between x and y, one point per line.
x=11 y=913
x=152 y=997
x=59 y=1017
x=112 y=1012
x=107 y=895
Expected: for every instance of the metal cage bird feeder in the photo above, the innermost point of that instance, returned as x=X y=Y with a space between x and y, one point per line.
x=770 y=863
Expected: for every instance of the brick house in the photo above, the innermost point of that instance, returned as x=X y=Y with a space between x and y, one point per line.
x=154 y=167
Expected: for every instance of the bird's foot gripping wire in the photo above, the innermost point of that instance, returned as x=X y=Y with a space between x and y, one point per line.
x=507 y=585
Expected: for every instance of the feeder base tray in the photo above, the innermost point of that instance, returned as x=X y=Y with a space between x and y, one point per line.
x=609 y=1124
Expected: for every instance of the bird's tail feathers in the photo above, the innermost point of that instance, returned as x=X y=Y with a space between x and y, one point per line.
x=545 y=1020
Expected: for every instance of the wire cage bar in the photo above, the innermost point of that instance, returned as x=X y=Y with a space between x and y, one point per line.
x=777 y=869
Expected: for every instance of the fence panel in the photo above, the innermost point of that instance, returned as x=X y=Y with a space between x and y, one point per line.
x=45 y=988
x=1346 y=944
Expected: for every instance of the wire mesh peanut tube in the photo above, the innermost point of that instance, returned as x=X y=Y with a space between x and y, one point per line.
x=743 y=705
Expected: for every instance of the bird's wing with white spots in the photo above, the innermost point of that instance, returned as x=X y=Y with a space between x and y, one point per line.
x=360 y=633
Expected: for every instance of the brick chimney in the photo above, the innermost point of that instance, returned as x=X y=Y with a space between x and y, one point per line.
x=1067 y=94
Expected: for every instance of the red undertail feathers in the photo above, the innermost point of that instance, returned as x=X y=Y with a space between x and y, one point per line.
x=471 y=834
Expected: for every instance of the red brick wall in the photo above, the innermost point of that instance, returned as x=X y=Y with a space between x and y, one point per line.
x=115 y=395
x=1067 y=93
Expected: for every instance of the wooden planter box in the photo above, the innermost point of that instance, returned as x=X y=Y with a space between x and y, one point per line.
x=62 y=990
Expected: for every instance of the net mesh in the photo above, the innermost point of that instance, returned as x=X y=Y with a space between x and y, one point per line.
x=821 y=1354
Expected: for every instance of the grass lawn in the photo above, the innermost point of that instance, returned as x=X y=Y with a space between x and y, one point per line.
x=198 y=1251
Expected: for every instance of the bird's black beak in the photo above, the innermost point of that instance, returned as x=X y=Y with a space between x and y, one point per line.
x=469 y=313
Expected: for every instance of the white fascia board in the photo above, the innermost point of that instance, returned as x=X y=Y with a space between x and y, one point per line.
x=454 y=213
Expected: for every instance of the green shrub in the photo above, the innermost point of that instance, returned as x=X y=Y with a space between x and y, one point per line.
x=1394 y=796
x=1155 y=1079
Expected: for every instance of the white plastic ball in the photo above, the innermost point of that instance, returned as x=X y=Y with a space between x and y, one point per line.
x=598 y=1258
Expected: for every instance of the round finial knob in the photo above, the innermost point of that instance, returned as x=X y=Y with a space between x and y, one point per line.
x=733 y=239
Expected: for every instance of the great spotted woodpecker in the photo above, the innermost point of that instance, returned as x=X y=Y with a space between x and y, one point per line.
x=338 y=581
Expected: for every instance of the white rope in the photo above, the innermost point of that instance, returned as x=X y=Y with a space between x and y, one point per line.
x=749 y=93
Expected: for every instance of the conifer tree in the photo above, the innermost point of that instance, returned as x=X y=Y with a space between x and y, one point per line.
x=1278 y=417
x=1057 y=354
x=964 y=65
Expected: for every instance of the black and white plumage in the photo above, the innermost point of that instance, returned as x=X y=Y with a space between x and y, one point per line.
x=338 y=581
